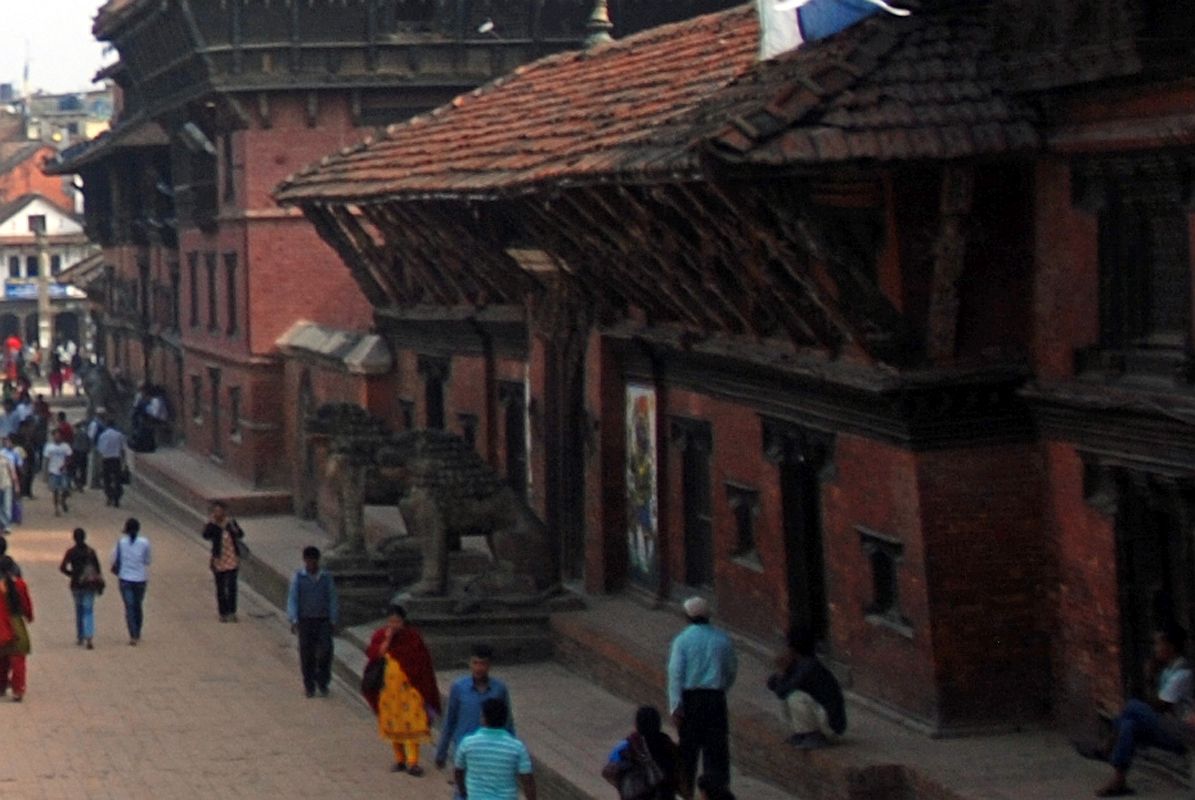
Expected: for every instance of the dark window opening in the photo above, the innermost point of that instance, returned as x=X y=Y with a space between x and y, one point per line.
x=31 y=267
x=193 y=281
x=234 y=412
x=209 y=261
x=513 y=400
x=435 y=375
x=744 y=505
x=884 y=554
x=468 y=423
x=175 y=297
x=694 y=438
x=230 y=267
x=1144 y=266
x=229 y=183
x=55 y=265
x=14 y=266
x=407 y=409
x=197 y=398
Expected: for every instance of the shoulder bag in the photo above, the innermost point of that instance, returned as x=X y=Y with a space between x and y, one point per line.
x=374 y=676
x=638 y=776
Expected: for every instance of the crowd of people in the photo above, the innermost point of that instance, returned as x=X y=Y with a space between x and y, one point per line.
x=477 y=725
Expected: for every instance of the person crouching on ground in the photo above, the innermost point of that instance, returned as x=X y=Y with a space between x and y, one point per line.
x=82 y=566
x=812 y=697
x=1159 y=723
x=409 y=699
x=16 y=611
x=646 y=764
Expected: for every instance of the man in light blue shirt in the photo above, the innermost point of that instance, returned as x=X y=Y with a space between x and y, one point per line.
x=491 y=764
x=701 y=668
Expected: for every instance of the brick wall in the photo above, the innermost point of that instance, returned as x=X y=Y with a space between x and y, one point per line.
x=1066 y=289
x=875 y=485
x=988 y=568
x=1087 y=643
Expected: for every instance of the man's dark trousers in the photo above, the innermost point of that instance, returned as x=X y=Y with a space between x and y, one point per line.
x=704 y=730
x=226 y=592
x=110 y=471
x=315 y=652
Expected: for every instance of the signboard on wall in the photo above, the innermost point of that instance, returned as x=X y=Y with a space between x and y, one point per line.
x=642 y=484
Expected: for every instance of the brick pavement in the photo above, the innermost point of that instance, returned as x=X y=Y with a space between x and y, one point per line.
x=200 y=709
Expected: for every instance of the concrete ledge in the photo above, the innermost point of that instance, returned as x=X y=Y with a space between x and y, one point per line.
x=187 y=478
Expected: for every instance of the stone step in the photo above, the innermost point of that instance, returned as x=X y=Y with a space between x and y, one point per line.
x=161 y=469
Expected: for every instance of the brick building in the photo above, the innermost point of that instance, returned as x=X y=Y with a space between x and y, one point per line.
x=888 y=336
x=218 y=102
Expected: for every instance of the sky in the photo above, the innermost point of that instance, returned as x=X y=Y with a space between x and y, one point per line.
x=63 y=55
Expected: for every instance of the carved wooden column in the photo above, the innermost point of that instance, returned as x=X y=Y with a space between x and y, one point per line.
x=950 y=257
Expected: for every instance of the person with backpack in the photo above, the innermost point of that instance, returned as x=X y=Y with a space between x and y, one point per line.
x=646 y=765
x=82 y=566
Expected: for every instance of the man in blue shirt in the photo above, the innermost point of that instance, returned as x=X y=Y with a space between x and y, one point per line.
x=491 y=764
x=313 y=611
x=463 y=713
x=701 y=668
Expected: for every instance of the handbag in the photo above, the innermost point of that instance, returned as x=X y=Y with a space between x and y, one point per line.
x=638 y=776
x=126 y=477
x=374 y=676
x=91 y=579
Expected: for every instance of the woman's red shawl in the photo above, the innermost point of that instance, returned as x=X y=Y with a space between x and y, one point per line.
x=408 y=649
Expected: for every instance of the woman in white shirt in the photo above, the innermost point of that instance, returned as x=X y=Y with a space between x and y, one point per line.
x=130 y=563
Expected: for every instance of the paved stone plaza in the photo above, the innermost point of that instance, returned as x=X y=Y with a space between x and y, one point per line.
x=199 y=709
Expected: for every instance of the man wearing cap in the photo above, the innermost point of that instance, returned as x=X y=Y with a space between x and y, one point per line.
x=701 y=669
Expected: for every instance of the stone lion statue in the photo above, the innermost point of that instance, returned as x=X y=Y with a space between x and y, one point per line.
x=448 y=491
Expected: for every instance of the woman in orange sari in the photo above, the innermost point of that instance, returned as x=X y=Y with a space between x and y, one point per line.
x=409 y=699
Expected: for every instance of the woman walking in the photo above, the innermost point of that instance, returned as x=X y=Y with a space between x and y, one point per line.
x=130 y=563
x=409 y=697
x=82 y=566
x=225 y=536
x=646 y=765
x=16 y=611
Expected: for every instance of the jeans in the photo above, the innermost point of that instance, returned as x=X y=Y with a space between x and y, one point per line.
x=85 y=613
x=226 y=592
x=6 y=507
x=1139 y=725
x=315 y=652
x=705 y=732
x=133 y=594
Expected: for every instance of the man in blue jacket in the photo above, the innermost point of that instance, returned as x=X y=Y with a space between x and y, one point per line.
x=313 y=610
x=462 y=715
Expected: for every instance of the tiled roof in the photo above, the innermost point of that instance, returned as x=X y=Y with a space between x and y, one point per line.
x=887 y=89
x=586 y=113
x=13 y=154
x=128 y=134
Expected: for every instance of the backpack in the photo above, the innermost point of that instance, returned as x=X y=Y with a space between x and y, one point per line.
x=637 y=776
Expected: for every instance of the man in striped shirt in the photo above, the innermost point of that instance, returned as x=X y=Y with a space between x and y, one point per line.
x=491 y=764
